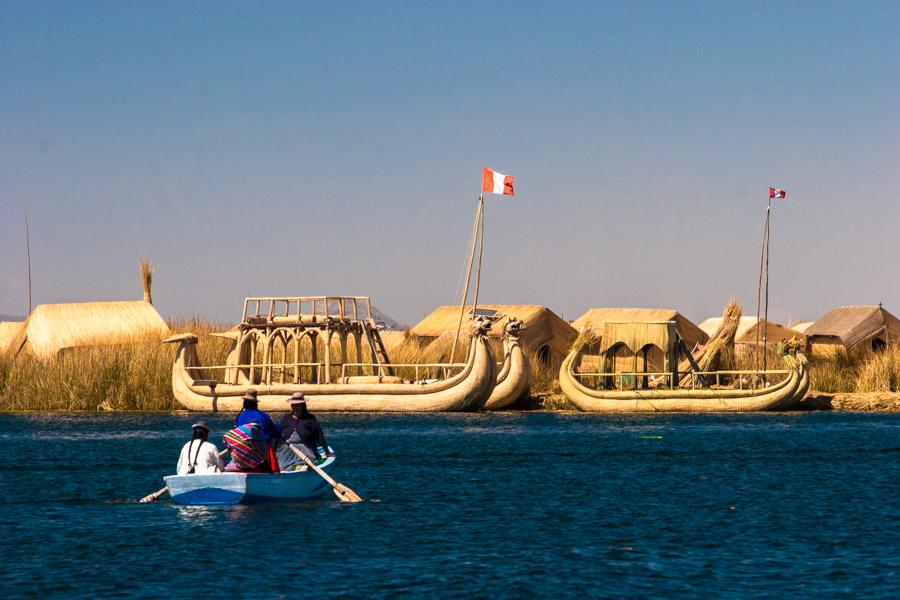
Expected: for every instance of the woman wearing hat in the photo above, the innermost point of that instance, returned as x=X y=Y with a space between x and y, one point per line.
x=199 y=455
x=301 y=429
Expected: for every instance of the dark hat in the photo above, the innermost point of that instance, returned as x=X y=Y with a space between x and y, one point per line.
x=297 y=398
x=200 y=425
x=250 y=395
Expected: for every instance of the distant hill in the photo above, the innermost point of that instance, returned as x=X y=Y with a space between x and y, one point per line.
x=11 y=318
x=390 y=324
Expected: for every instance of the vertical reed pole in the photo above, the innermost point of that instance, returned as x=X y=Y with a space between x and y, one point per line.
x=465 y=295
x=28 y=254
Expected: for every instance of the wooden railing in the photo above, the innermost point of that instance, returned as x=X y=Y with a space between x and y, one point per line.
x=348 y=307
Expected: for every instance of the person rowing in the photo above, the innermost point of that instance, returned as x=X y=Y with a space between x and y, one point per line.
x=301 y=429
x=251 y=413
x=199 y=456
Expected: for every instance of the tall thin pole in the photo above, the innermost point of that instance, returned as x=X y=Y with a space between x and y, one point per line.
x=480 y=255
x=465 y=294
x=28 y=254
x=762 y=255
x=766 y=313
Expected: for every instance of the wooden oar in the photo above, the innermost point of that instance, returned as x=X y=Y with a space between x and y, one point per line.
x=344 y=493
x=157 y=494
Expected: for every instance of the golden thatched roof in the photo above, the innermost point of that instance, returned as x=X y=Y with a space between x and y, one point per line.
x=636 y=336
x=543 y=326
x=8 y=331
x=54 y=327
x=748 y=326
x=597 y=318
x=854 y=325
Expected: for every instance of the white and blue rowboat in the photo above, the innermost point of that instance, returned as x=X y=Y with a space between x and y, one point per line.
x=246 y=488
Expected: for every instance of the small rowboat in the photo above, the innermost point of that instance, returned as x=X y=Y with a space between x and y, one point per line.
x=247 y=488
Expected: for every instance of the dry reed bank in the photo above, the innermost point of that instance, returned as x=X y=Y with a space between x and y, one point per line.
x=137 y=376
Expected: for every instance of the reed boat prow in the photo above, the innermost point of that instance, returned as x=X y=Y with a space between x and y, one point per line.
x=332 y=386
x=514 y=377
x=780 y=395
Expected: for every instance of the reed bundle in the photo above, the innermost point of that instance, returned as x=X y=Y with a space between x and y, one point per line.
x=718 y=353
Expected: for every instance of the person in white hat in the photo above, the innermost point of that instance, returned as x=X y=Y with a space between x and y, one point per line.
x=199 y=456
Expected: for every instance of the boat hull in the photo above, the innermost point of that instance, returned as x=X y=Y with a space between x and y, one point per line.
x=465 y=391
x=247 y=488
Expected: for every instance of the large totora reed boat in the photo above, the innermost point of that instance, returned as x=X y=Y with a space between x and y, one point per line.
x=598 y=385
x=329 y=348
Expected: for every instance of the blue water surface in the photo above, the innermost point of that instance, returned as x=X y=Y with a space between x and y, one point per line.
x=458 y=506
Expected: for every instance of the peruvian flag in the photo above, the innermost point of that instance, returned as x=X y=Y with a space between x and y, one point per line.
x=493 y=182
x=776 y=193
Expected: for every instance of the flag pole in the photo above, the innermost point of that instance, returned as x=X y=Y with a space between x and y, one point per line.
x=762 y=254
x=766 y=313
x=465 y=294
x=480 y=254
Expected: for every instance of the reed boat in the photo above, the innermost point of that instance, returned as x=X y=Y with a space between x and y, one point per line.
x=248 y=488
x=277 y=332
x=607 y=390
x=514 y=377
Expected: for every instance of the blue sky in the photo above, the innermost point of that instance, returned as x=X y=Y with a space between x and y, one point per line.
x=327 y=148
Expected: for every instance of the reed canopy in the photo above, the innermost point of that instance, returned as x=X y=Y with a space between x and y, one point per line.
x=546 y=335
x=52 y=328
x=853 y=327
x=597 y=318
x=749 y=327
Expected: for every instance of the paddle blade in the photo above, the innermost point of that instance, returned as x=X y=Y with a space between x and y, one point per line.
x=155 y=495
x=345 y=494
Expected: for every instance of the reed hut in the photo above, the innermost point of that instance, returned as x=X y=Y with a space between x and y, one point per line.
x=8 y=332
x=748 y=329
x=597 y=318
x=546 y=335
x=53 y=328
x=851 y=328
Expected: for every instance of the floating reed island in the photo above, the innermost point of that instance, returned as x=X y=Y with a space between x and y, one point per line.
x=111 y=356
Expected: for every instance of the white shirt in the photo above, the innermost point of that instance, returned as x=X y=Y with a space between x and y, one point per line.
x=205 y=457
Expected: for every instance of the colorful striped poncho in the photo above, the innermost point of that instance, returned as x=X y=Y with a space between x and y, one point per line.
x=248 y=446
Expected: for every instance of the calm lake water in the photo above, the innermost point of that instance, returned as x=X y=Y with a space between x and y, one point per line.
x=496 y=505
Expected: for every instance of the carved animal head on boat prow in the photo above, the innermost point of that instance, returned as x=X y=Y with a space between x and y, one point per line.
x=481 y=325
x=514 y=327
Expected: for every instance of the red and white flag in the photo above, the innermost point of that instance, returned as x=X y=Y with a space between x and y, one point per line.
x=493 y=182
x=776 y=193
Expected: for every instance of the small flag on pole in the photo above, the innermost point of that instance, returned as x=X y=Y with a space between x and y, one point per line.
x=776 y=193
x=493 y=182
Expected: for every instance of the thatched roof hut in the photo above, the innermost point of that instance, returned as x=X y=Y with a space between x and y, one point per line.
x=853 y=327
x=51 y=328
x=749 y=326
x=8 y=332
x=547 y=335
x=597 y=318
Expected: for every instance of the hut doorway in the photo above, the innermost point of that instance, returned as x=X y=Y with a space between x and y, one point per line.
x=543 y=355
